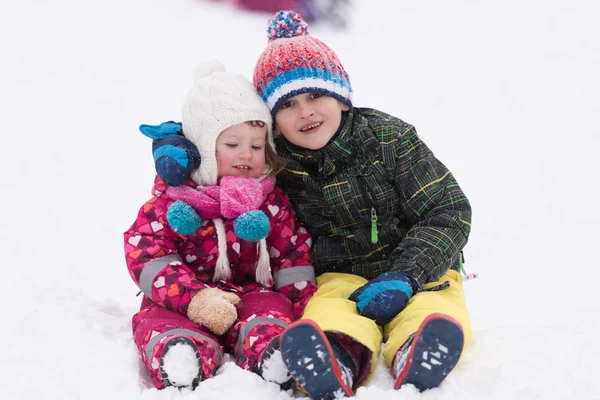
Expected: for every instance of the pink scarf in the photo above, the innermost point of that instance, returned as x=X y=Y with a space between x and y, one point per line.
x=234 y=196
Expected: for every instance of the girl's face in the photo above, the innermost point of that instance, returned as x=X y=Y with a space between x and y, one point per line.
x=309 y=120
x=241 y=151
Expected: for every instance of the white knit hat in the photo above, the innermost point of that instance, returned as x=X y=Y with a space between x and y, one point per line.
x=217 y=101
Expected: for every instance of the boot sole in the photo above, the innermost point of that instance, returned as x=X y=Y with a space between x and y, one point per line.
x=435 y=351
x=181 y=339
x=310 y=360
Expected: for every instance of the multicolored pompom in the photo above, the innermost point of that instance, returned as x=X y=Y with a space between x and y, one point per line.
x=286 y=24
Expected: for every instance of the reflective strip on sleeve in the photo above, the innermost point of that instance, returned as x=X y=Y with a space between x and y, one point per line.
x=248 y=326
x=181 y=332
x=151 y=269
x=287 y=276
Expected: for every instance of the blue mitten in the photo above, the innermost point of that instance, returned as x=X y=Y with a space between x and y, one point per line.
x=174 y=155
x=384 y=297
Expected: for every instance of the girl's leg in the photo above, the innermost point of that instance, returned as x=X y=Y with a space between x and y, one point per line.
x=175 y=350
x=262 y=316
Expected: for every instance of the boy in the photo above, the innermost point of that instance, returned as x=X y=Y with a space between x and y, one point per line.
x=388 y=222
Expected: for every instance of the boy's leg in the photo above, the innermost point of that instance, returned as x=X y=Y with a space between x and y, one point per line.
x=425 y=341
x=175 y=350
x=262 y=317
x=336 y=316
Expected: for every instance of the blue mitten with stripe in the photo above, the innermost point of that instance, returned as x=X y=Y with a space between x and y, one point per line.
x=384 y=297
x=174 y=155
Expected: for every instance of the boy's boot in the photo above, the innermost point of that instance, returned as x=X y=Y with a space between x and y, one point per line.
x=429 y=355
x=320 y=366
x=271 y=366
x=180 y=364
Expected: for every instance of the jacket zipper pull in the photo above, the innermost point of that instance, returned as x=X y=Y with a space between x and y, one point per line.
x=374 y=234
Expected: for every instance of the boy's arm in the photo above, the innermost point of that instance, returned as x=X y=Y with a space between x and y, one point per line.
x=437 y=211
x=289 y=247
x=153 y=261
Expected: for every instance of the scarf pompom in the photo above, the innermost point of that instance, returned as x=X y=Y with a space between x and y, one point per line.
x=183 y=218
x=252 y=226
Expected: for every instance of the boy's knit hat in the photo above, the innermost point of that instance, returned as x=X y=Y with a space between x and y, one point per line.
x=217 y=101
x=295 y=63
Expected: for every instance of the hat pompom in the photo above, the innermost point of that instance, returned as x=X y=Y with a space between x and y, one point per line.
x=183 y=218
x=286 y=24
x=208 y=68
x=252 y=226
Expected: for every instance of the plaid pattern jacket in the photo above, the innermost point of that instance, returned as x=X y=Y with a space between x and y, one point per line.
x=375 y=199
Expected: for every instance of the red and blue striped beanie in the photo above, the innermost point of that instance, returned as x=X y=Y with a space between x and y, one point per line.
x=295 y=63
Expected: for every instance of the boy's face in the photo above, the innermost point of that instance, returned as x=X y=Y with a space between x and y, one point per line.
x=241 y=150
x=309 y=120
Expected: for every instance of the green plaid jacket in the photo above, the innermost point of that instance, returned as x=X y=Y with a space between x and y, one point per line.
x=376 y=199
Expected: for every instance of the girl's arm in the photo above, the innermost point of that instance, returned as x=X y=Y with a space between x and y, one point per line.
x=151 y=252
x=289 y=247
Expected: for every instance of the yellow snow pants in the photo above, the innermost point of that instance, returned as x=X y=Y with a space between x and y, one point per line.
x=333 y=312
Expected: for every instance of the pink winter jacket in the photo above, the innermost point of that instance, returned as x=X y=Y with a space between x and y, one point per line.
x=170 y=268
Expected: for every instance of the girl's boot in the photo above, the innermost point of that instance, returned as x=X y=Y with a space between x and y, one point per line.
x=180 y=363
x=271 y=366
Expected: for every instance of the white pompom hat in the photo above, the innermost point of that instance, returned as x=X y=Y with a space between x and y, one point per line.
x=217 y=101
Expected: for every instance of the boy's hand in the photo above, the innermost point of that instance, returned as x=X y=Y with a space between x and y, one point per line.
x=384 y=297
x=214 y=309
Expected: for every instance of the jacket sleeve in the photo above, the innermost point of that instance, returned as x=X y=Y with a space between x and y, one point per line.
x=289 y=247
x=151 y=253
x=437 y=211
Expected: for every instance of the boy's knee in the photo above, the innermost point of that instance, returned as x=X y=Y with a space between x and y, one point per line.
x=341 y=280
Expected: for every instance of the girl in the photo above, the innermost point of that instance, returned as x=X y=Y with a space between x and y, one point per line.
x=221 y=259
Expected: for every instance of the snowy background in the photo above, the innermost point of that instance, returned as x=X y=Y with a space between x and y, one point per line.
x=506 y=93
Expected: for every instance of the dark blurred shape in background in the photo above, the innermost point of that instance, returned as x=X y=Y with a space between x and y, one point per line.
x=332 y=12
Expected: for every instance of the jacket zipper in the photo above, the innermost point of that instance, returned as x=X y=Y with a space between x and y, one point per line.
x=374 y=218
x=374 y=233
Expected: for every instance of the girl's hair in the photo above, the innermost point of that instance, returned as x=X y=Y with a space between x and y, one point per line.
x=274 y=162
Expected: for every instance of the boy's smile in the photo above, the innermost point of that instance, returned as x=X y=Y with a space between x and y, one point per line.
x=311 y=127
x=310 y=120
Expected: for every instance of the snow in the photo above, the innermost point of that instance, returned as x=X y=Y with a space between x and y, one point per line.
x=507 y=94
x=274 y=369
x=181 y=364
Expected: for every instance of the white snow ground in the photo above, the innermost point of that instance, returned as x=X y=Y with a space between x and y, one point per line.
x=506 y=93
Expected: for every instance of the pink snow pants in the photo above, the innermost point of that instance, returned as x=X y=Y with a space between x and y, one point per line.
x=262 y=315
